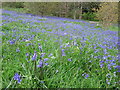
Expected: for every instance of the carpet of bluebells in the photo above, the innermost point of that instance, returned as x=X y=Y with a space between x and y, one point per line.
x=51 y=52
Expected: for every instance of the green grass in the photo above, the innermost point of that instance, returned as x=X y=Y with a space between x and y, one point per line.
x=79 y=23
x=113 y=28
x=60 y=73
x=69 y=74
x=6 y=14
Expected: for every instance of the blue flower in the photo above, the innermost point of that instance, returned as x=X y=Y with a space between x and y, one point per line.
x=70 y=38
x=63 y=53
x=107 y=81
x=40 y=47
x=17 y=77
x=46 y=64
x=12 y=42
x=104 y=57
x=101 y=65
x=42 y=55
x=86 y=76
x=109 y=66
x=27 y=54
x=40 y=64
x=118 y=67
x=18 y=50
x=69 y=59
x=34 y=56
x=101 y=61
x=46 y=59
x=50 y=55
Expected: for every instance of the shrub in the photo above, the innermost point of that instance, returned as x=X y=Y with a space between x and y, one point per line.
x=89 y=16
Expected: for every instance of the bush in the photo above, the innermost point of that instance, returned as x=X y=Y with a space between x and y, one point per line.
x=89 y=16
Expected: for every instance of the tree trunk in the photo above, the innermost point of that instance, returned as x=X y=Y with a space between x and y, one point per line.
x=80 y=17
x=74 y=15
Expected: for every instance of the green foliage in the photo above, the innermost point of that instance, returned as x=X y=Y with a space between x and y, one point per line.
x=19 y=10
x=89 y=16
x=13 y=4
x=98 y=26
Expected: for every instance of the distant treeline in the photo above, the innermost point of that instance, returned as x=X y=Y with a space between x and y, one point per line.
x=107 y=12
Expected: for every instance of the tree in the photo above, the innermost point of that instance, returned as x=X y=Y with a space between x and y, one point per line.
x=13 y=4
x=108 y=13
x=61 y=9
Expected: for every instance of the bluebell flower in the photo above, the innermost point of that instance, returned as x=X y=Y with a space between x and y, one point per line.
x=109 y=55
x=117 y=67
x=83 y=74
x=105 y=51
x=42 y=55
x=46 y=59
x=12 y=42
x=63 y=53
x=40 y=48
x=56 y=40
x=50 y=55
x=113 y=64
x=70 y=38
x=40 y=64
x=17 y=77
x=27 y=54
x=101 y=65
x=34 y=57
x=104 y=57
x=107 y=81
x=18 y=50
x=46 y=63
x=86 y=76
x=28 y=44
x=61 y=46
x=69 y=59
x=109 y=66
x=101 y=61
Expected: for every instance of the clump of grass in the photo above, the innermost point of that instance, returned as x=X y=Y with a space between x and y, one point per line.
x=113 y=28
x=5 y=14
x=42 y=19
x=73 y=22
